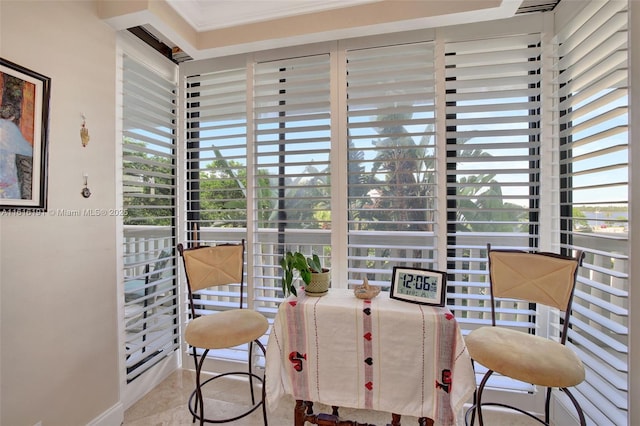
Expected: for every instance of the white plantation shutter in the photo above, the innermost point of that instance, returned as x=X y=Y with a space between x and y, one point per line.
x=493 y=154
x=290 y=148
x=149 y=200
x=216 y=156
x=292 y=185
x=216 y=150
x=591 y=99
x=391 y=160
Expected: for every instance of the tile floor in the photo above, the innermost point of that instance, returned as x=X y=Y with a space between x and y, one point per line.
x=166 y=405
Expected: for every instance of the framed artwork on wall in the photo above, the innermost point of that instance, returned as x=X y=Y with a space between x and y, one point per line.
x=24 y=126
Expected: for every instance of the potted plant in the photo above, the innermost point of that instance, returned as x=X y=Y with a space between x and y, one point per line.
x=316 y=278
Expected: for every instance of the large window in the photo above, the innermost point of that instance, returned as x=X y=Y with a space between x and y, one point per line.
x=419 y=149
x=338 y=152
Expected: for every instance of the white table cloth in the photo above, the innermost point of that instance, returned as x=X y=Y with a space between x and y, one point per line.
x=380 y=354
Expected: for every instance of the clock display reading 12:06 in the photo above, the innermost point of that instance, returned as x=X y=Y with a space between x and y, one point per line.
x=411 y=284
x=417 y=285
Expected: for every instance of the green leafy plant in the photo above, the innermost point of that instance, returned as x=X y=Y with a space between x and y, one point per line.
x=305 y=266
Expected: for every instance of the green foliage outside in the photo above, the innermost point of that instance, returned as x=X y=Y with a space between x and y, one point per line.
x=403 y=171
x=148 y=179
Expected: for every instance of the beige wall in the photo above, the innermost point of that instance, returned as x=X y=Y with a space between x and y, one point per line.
x=59 y=347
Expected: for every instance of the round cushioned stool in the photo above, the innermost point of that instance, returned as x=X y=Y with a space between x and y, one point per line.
x=213 y=266
x=531 y=277
x=225 y=330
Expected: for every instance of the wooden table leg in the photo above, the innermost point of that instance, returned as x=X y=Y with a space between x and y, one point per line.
x=303 y=412
x=395 y=419
x=299 y=413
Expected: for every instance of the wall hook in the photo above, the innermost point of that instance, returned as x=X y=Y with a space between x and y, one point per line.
x=86 y=193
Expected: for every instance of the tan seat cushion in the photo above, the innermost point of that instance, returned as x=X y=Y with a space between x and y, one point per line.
x=225 y=329
x=525 y=357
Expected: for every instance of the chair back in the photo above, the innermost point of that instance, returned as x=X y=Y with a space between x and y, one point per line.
x=539 y=277
x=209 y=266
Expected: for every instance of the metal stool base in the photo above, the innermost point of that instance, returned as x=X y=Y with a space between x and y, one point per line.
x=193 y=399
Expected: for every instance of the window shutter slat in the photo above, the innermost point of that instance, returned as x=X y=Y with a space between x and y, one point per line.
x=149 y=198
x=493 y=155
x=391 y=160
x=591 y=102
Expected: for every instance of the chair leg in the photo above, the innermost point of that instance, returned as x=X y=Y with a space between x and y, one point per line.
x=583 y=421
x=475 y=398
x=547 y=406
x=253 y=399
x=479 y=396
x=471 y=410
x=264 y=385
x=199 y=397
x=477 y=405
x=196 y=400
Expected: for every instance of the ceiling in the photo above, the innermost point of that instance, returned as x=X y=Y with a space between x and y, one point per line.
x=206 y=15
x=199 y=29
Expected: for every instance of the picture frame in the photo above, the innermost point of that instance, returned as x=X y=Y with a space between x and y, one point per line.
x=418 y=285
x=24 y=133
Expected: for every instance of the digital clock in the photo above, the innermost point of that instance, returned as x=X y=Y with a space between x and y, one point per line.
x=416 y=285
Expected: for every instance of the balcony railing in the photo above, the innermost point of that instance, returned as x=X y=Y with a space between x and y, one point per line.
x=600 y=298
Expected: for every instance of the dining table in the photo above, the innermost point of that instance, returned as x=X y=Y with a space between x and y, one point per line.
x=378 y=354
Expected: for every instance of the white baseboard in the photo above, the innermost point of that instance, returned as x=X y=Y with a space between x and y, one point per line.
x=114 y=416
x=134 y=391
